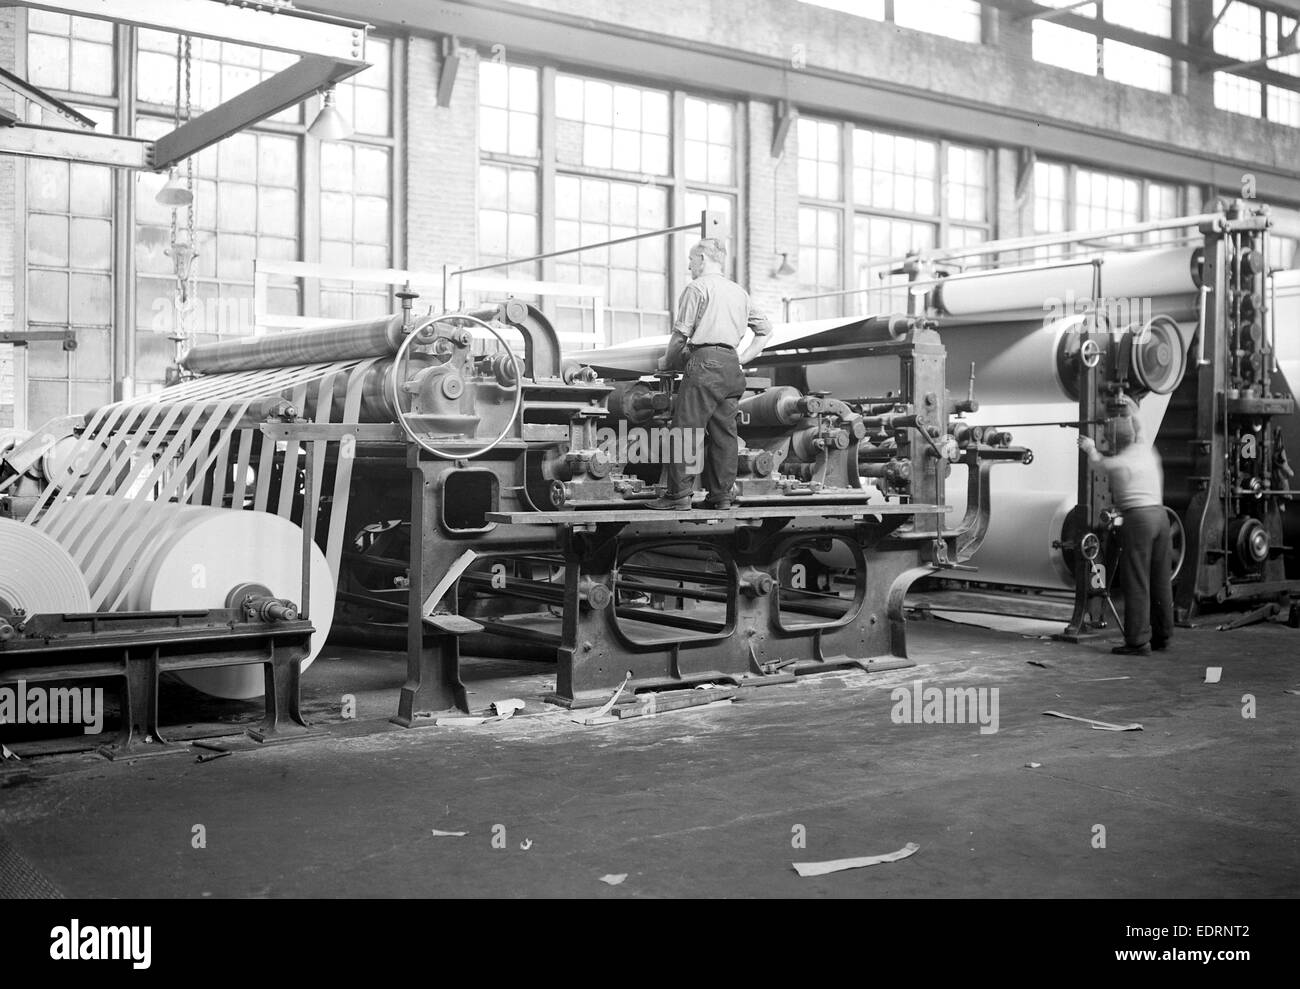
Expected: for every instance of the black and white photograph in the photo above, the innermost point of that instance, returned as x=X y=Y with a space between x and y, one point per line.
x=606 y=450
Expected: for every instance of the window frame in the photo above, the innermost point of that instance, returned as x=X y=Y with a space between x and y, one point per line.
x=677 y=188
x=126 y=108
x=849 y=209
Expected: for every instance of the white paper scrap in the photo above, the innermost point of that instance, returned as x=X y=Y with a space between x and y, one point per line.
x=448 y=834
x=1099 y=725
x=596 y=716
x=806 y=869
x=507 y=707
x=613 y=879
x=1213 y=674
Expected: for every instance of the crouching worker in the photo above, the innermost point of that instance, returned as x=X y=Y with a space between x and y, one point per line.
x=1145 y=566
x=712 y=317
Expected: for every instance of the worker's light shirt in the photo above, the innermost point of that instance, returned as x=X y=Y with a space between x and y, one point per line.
x=1136 y=477
x=714 y=309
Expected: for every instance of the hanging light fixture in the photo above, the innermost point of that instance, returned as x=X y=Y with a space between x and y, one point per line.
x=329 y=124
x=785 y=269
x=174 y=193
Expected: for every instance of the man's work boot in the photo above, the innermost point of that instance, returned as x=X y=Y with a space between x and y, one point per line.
x=669 y=504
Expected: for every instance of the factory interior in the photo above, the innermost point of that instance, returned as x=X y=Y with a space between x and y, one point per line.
x=339 y=551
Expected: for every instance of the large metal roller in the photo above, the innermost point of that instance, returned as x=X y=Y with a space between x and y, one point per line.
x=783 y=406
x=342 y=342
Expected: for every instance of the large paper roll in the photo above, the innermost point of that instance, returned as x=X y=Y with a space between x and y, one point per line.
x=1163 y=279
x=1029 y=502
x=197 y=558
x=37 y=574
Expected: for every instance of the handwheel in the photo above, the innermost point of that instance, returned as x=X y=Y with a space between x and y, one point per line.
x=402 y=416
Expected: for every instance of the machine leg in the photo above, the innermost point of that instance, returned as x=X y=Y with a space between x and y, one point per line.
x=433 y=683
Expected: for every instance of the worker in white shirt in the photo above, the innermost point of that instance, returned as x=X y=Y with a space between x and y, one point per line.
x=1137 y=486
x=712 y=317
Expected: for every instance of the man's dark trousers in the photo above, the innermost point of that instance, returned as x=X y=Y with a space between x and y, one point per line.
x=1145 y=568
x=707 y=398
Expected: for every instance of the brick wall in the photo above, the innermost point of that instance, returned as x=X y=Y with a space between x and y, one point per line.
x=442 y=162
x=773 y=197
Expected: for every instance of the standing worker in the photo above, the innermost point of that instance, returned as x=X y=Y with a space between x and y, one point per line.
x=712 y=316
x=1137 y=486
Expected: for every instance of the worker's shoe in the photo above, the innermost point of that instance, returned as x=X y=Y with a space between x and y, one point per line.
x=721 y=505
x=1127 y=650
x=669 y=504
x=1159 y=645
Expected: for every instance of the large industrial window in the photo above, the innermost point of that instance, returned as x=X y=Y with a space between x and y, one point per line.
x=957 y=19
x=871 y=196
x=356 y=190
x=1070 y=197
x=1251 y=34
x=251 y=196
x=1082 y=51
x=69 y=226
x=626 y=159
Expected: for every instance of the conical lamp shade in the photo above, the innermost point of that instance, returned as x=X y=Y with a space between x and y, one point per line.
x=329 y=124
x=174 y=192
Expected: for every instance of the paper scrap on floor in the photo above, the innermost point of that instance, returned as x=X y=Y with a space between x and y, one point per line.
x=448 y=834
x=613 y=879
x=1213 y=674
x=1099 y=725
x=603 y=711
x=806 y=869
x=504 y=709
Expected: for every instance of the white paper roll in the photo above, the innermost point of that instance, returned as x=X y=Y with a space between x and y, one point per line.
x=196 y=558
x=1164 y=275
x=37 y=574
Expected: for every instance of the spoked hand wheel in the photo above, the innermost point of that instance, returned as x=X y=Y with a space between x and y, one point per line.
x=404 y=417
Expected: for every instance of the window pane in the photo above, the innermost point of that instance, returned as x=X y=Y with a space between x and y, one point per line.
x=819 y=159
x=1064 y=47
x=1238 y=95
x=959 y=19
x=1137 y=66
x=508 y=109
x=818 y=261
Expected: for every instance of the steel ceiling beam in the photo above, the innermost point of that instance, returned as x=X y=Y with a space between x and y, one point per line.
x=1051 y=13
x=284 y=89
x=332 y=48
x=32 y=141
x=43 y=99
x=259 y=24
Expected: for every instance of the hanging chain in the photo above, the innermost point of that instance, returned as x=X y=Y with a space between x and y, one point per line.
x=184 y=254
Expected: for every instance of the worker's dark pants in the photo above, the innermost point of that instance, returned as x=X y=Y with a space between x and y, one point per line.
x=706 y=400
x=1144 y=570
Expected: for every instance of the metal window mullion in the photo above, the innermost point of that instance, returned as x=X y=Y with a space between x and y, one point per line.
x=123 y=343
x=545 y=170
x=309 y=227
x=677 y=194
x=848 y=264
x=397 y=143
x=19 y=354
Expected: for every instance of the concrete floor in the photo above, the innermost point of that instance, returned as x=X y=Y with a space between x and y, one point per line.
x=1201 y=803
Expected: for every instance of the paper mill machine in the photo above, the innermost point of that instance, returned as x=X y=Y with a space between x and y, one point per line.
x=456 y=475
x=1188 y=330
